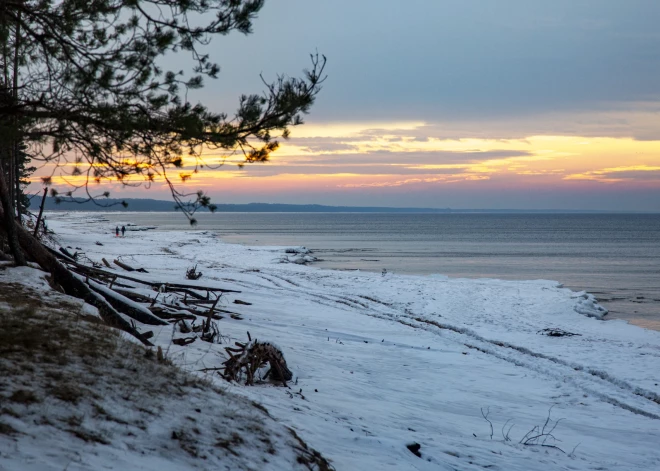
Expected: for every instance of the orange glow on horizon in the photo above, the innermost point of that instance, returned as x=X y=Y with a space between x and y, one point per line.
x=347 y=156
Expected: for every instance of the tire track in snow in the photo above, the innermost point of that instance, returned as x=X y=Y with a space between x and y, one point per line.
x=603 y=375
x=554 y=367
x=429 y=325
x=580 y=369
x=651 y=396
x=282 y=279
x=586 y=373
x=243 y=283
x=405 y=317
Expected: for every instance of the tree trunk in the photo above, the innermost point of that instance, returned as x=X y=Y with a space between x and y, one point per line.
x=11 y=172
x=17 y=185
x=41 y=211
x=9 y=222
x=14 y=181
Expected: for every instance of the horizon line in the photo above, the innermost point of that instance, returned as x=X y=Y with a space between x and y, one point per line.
x=378 y=208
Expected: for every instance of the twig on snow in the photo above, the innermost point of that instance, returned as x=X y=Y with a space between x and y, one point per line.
x=506 y=435
x=485 y=416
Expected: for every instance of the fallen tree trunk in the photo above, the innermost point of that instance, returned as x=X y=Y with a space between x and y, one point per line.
x=133 y=296
x=72 y=285
x=60 y=255
x=123 y=265
x=165 y=314
x=200 y=288
x=125 y=305
x=67 y=253
x=197 y=310
x=41 y=212
x=154 y=284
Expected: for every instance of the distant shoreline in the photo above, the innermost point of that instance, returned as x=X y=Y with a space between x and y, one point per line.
x=151 y=205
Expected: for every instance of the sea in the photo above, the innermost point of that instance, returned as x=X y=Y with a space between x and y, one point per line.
x=616 y=257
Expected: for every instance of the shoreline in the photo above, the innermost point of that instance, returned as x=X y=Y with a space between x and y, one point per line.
x=620 y=306
x=630 y=318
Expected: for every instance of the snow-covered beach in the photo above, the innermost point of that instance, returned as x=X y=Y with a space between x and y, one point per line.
x=381 y=361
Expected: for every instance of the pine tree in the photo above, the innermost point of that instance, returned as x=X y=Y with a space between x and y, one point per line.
x=82 y=82
x=92 y=91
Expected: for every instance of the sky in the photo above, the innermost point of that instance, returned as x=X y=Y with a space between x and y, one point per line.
x=521 y=104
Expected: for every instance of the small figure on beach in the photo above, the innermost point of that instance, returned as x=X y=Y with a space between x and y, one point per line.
x=117 y=231
x=123 y=230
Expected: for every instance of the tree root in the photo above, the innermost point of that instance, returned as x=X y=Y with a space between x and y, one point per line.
x=247 y=358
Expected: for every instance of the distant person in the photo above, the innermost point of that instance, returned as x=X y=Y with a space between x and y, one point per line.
x=123 y=230
x=117 y=231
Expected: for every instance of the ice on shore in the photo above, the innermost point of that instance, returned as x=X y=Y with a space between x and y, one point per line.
x=587 y=305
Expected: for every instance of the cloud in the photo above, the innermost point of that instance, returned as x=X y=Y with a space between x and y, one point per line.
x=348 y=168
x=328 y=147
x=619 y=174
x=531 y=158
x=411 y=181
x=634 y=119
x=429 y=157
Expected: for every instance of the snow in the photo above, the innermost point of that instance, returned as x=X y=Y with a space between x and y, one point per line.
x=587 y=305
x=381 y=362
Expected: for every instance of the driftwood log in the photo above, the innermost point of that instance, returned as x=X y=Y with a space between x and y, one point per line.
x=247 y=358
x=137 y=297
x=555 y=332
x=69 y=255
x=165 y=313
x=125 y=305
x=157 y=285
x=123 y=265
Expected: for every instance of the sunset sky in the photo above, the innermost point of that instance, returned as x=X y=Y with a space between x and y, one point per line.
x=520 y=104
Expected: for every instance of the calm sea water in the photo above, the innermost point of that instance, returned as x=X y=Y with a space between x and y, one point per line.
x=615 y=257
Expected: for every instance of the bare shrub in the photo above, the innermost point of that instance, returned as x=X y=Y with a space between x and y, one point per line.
x=539 y=435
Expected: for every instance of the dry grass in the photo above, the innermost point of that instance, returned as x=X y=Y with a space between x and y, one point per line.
x=49 y=346
x=230 y=443
x=89 y=436
x=309 y=457
x=6 y=429
x=23 y=396
x=50 y=354
x=67 y=392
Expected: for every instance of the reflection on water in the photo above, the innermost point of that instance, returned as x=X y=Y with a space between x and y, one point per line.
x=614 y=256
